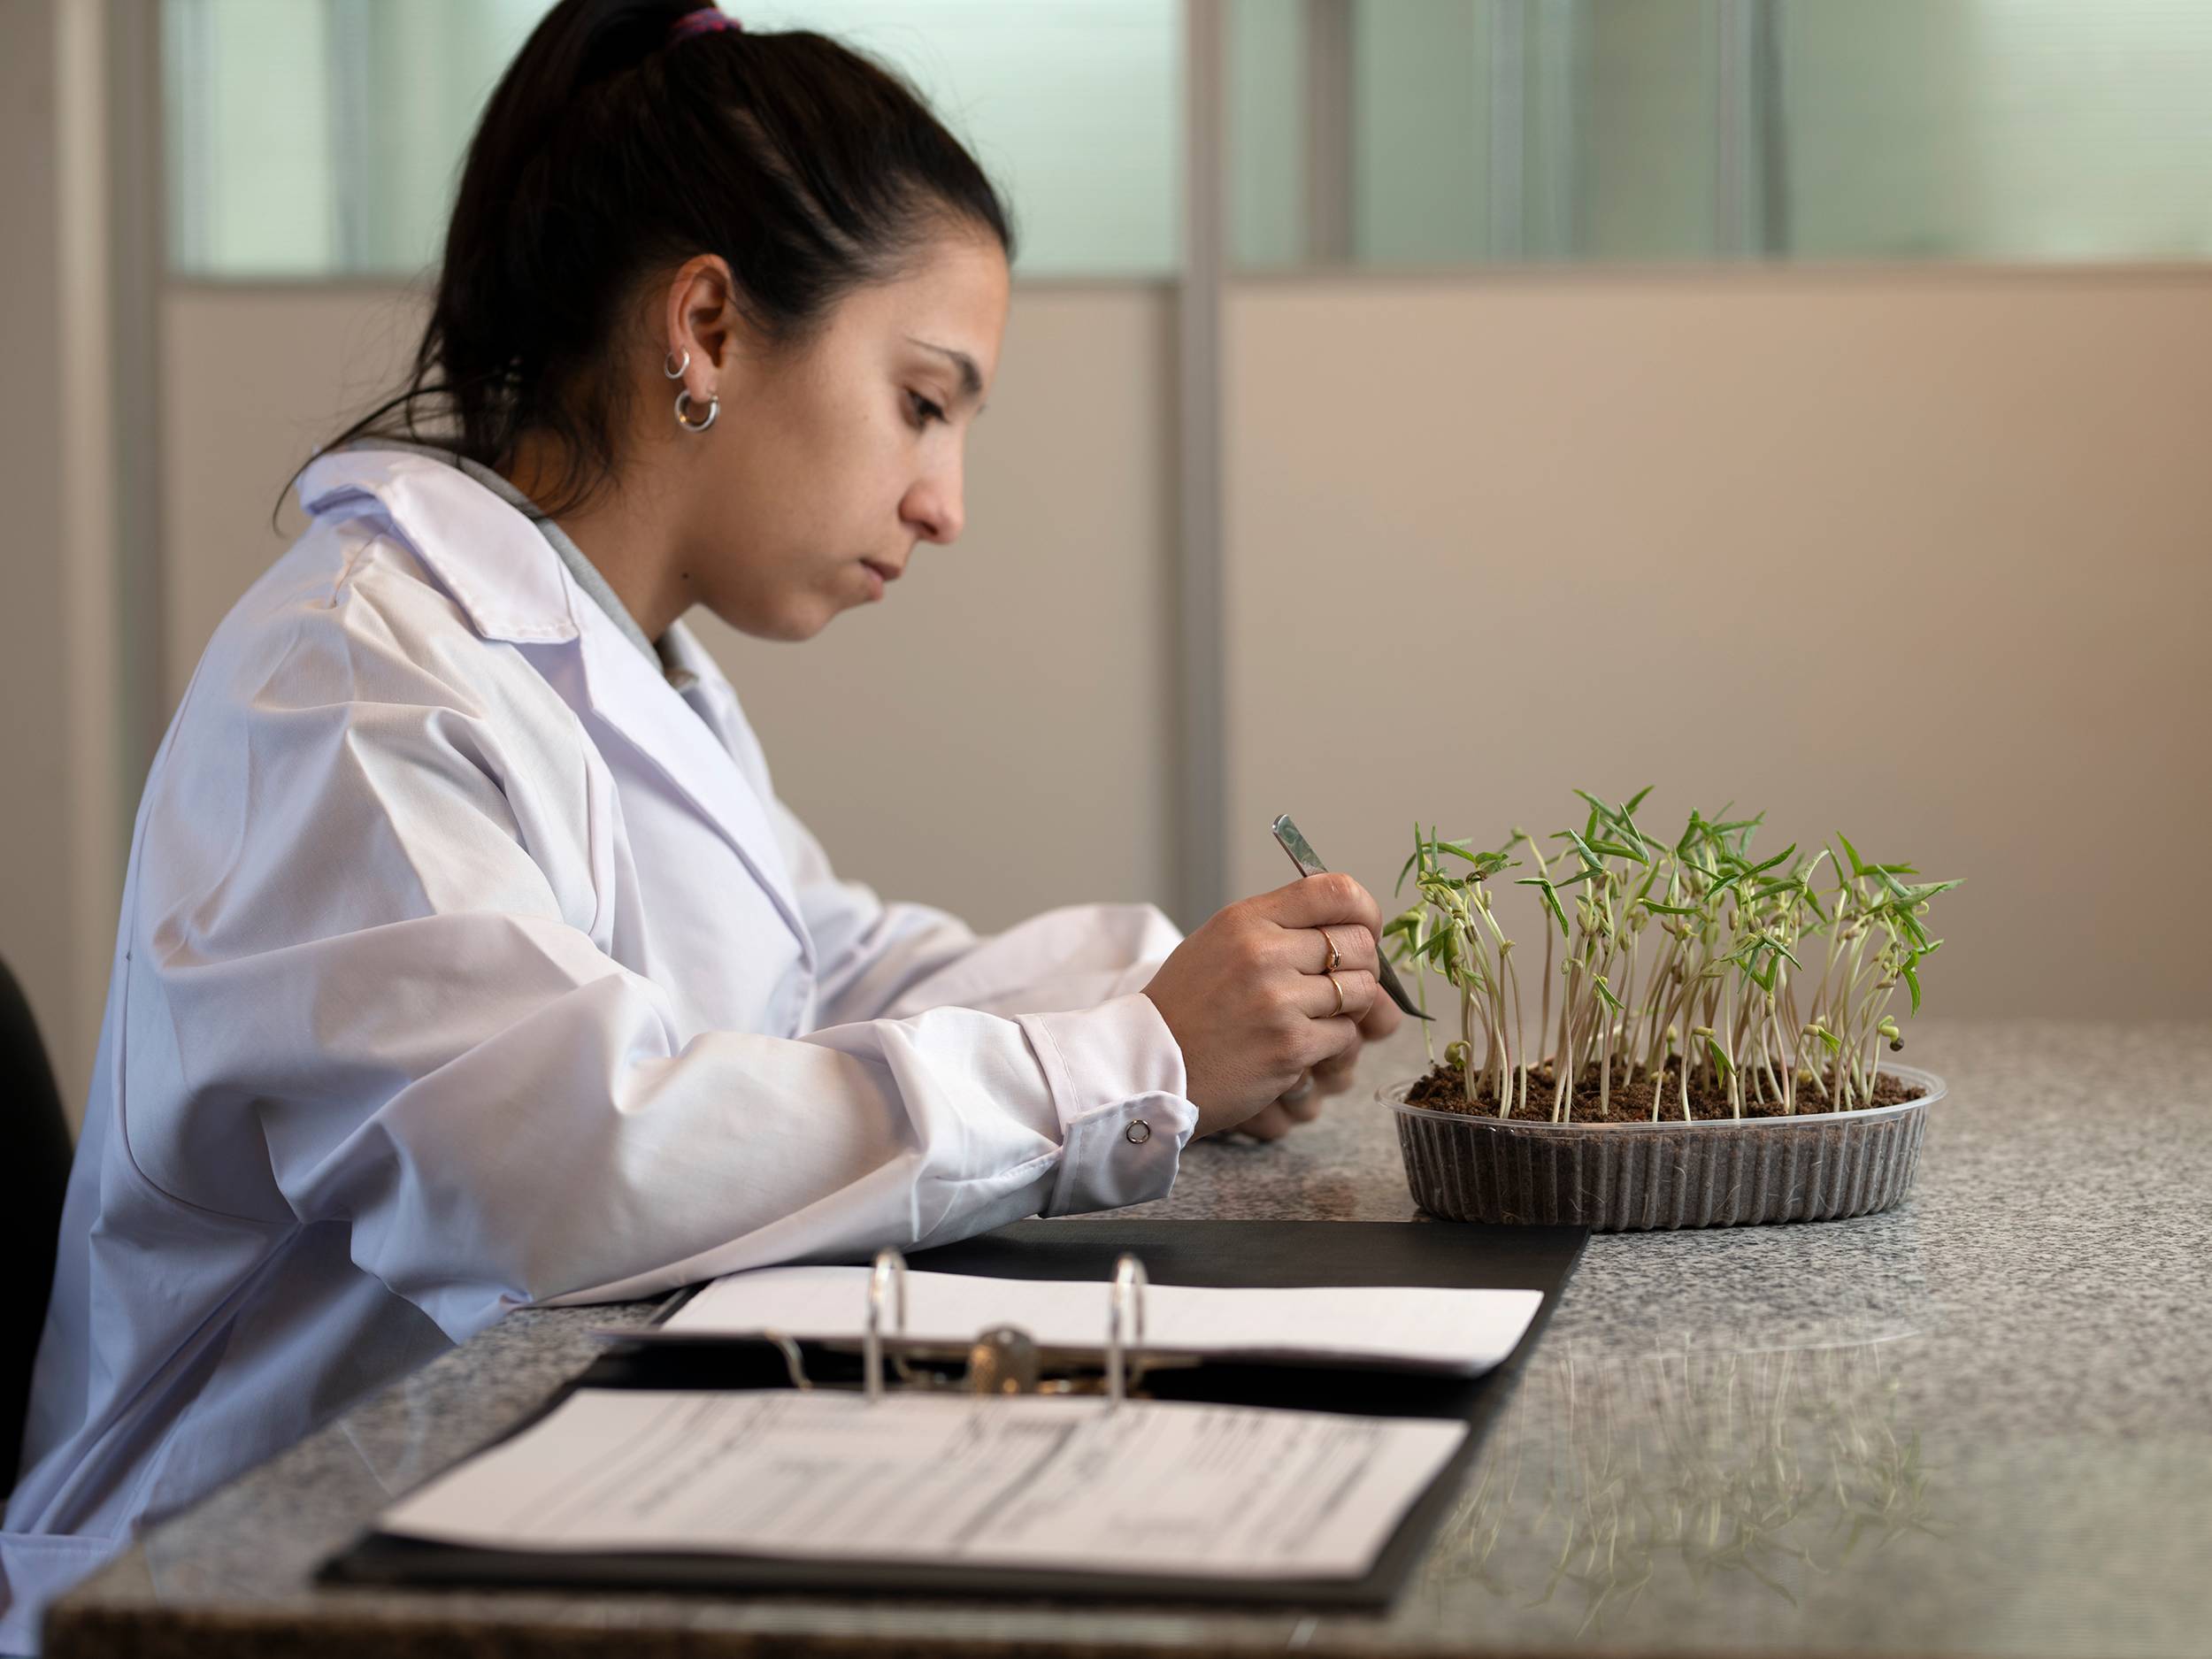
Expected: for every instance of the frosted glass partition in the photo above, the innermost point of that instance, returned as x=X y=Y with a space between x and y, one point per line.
x=1074 y=108
x=2020 y=129
x=322 y=138
x=1395 y=132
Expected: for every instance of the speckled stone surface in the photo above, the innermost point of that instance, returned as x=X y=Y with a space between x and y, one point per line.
x=1979 y=1423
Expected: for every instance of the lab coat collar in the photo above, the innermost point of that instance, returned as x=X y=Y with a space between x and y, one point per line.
x=512 y=587
x=500 y=571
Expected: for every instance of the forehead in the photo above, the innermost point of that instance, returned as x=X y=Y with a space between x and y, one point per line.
x=949 y=310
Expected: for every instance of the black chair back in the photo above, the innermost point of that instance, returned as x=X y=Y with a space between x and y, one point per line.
x=34 y=1151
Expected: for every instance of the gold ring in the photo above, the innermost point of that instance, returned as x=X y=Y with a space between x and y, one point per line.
x=1337 y=985
x=1334 y=961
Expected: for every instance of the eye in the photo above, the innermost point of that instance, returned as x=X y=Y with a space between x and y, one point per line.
x=928 y=410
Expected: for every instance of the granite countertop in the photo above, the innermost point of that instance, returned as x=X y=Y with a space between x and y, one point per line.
x=1978 y=1424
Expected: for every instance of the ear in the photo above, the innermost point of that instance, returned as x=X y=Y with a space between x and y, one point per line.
x=700 y=317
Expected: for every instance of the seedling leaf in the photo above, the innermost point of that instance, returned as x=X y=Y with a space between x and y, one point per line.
x=1590 y=859
x=1858 y=866
x=1551 y=899
x=1777 y=858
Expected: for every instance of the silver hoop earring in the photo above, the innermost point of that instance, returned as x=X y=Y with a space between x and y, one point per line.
x=683 y=411
x=676 y=373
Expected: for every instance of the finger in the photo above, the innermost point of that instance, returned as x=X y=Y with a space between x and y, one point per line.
x=1315 y=998
x=1269 y=1123
x=1381 y=1019
x=1333 y=1075
x=1323 y=1039
x=1323 y=900
x=1303 y=1109
x=1340 y=1065
x=1307 y=949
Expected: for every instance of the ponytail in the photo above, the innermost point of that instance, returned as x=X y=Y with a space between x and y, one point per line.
x=626 y=137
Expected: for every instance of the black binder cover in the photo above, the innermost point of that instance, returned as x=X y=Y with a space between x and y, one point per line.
x=1451 y=1255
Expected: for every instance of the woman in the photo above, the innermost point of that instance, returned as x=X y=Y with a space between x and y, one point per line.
x=467 y=957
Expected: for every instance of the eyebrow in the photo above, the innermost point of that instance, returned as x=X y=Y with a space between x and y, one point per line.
x=971 y=377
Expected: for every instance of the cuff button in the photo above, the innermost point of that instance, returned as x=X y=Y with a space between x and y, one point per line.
x=1138 y=1133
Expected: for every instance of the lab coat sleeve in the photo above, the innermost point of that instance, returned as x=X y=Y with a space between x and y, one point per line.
x=360 y=994
x=878 y=957
x=1073 y=978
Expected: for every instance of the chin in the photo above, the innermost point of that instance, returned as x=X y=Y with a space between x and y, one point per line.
x=788 y=625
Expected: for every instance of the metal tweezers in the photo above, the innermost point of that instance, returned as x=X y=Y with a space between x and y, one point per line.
x=1308 y=863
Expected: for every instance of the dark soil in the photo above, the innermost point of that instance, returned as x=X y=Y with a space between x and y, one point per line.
x=1442 y=1090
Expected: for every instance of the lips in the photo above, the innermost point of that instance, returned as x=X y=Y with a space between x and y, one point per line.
x=890 y=573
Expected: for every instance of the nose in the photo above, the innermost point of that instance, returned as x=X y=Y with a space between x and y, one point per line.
x=933 y=509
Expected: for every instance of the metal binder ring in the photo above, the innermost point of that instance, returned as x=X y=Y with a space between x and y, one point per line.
x=890 y=1271
x=1126 y=1306
x=793 y=1362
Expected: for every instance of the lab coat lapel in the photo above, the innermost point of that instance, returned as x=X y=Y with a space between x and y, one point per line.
x=512 y=587
x=632 y=697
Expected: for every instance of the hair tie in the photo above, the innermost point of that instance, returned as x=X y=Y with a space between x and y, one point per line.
x=705 y=20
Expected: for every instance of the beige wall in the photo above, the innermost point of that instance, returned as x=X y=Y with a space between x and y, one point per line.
x=252 y=379
x=60 y=844
x=992 y=738
x=1925 y=557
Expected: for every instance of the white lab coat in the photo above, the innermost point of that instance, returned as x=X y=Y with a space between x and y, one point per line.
x=466 y=963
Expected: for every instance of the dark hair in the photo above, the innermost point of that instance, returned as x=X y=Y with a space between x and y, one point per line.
x=609 y=150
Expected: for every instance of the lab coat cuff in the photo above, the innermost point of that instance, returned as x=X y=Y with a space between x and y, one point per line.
x=1117 y=1080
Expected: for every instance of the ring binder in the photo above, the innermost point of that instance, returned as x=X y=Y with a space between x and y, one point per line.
x=1002 y=1360
x=1256 y=1254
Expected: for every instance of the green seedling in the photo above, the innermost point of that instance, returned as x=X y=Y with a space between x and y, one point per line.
x=1654 y=940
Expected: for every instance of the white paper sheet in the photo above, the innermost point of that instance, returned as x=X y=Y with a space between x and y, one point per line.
x=1464 y=1332
x=1154 y=1486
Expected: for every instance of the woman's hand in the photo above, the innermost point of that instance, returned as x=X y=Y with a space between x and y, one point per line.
x=1332 y=1076
x=1248 y=1003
